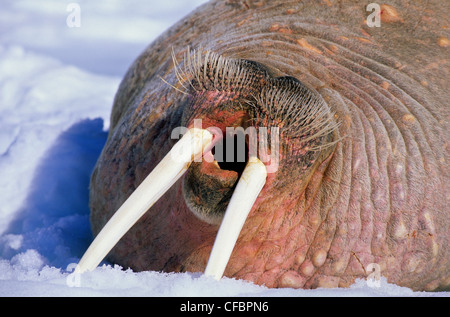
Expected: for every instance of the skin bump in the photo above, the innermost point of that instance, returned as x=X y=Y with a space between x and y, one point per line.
x=319 y=258
x=291 y=279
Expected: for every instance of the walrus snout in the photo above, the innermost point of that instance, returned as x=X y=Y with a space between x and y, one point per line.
x=238 y=98
x=234 y=99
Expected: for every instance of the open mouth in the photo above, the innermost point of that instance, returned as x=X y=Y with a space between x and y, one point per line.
x=189 y=148
x=209 y=184
x=231 y=153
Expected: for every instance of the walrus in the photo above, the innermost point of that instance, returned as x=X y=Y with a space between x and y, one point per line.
x=350 y=174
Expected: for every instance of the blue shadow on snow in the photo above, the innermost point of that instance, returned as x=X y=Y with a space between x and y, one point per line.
x=54 y=219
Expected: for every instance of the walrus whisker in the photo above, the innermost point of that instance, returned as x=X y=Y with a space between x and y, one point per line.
x=163 y=176
x=218 y=69
x=197 y=61
x=212 y=71
x=177 y=89
x=284 y=101
x=302 y=112
x=181 y=77
x=247 y=190
x=322 y=147
x=176 y=67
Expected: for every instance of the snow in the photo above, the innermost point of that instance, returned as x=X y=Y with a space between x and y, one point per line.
x=27 y=275
x=57 y=85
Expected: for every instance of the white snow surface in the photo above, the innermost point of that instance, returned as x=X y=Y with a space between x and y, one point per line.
x=57 y=86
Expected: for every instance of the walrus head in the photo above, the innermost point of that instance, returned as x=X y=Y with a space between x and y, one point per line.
x=337 y=130
x=246 y=133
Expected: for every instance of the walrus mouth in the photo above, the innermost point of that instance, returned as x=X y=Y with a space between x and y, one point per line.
x=192 y=145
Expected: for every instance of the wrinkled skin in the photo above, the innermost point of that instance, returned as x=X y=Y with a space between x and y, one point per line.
x=380 y=195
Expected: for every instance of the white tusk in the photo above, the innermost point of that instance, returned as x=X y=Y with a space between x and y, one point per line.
x=247 y=190
x=164 y=175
